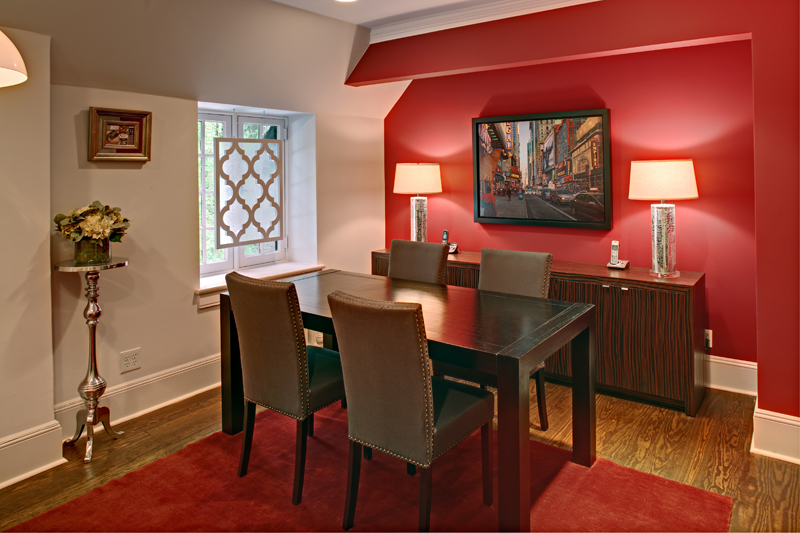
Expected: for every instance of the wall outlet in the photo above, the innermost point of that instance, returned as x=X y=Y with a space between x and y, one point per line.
x=130 y=360
x=708 y=339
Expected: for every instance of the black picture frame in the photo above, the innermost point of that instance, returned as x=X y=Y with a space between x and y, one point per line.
x=566 y=181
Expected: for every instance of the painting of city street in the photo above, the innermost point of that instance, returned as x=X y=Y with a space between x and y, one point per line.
x=551 y=169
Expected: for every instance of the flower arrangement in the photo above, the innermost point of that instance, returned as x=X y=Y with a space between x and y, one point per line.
x=93 y=222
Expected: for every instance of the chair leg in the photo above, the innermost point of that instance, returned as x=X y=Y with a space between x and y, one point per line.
x=425 y=486
x=353 y=474
x=300 y=460
x=486 y=462
x=247 y=436
x=367 y=453
x=311 y=425
x=411 y=469
x=540 y=400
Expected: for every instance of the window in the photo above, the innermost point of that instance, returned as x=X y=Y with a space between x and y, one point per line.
x=234 y=125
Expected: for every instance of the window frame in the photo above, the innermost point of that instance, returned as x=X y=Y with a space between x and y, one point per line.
x=235 y=257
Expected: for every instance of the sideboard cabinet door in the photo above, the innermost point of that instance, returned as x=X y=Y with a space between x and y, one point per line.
x=643 y=340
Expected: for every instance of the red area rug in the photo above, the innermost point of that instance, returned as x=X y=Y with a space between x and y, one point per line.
x=197 y=489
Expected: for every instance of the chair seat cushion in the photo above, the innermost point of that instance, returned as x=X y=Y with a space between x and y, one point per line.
x=325 y=382
x=458 y=410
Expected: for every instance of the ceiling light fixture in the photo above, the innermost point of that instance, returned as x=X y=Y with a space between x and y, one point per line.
x=12 y=67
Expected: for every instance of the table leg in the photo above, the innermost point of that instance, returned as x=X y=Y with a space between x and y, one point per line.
x=103 y=414
x=232 y=388
x=513 y=448
x=330 y=342
x=89 y=418
x=584 y=376
x=80 y=422
x=90 y=421
x=93 y=385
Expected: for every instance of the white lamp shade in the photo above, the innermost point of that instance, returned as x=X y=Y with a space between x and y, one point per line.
x=12 y=67
x=663 y=180
x=417 y=178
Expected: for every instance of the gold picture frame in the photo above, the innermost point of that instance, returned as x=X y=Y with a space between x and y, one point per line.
x=119 y=135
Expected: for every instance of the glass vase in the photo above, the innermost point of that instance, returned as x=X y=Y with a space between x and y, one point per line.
x=92 y=252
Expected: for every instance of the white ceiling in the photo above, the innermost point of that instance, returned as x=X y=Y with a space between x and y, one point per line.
x=393 y=19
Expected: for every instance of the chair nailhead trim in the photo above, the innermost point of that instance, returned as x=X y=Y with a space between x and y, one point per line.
x=406 y=459
x=546 y=286
x=274 y=409
x=443 y=266
x=320 y=408
x=459 y=440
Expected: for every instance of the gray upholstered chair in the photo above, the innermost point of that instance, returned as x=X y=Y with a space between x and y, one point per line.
x=394 y=404
x=523 y=274
x=278 y=371
x=418 y=261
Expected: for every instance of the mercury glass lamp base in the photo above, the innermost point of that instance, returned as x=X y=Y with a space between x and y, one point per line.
x=664 y=248
x=419 y=218
x=655 y=274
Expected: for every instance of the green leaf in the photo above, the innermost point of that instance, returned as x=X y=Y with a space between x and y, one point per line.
x=115 y=237
x=97 y=204
x=59 y=217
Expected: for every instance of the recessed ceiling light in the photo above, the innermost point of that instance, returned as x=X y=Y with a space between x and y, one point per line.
x=345 y=0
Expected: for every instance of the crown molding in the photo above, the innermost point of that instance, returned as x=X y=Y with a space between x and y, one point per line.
x=496 y=10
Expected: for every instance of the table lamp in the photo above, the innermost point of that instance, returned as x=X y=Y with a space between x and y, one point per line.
x=663 y=180
x=418 y=178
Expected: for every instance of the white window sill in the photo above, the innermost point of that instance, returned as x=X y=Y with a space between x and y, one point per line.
x=211 y=286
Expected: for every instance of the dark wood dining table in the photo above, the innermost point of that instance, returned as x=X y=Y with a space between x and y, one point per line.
x=498 y=336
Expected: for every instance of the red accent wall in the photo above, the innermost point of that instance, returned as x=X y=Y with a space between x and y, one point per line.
x=732 y=107
x=686 y=103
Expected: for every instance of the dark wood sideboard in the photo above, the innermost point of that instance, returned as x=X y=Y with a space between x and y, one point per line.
x=650 y=331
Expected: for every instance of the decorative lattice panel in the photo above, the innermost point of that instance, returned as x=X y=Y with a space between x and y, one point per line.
x=249 y=191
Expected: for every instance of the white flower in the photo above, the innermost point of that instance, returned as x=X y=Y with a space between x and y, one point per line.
x=96 y=227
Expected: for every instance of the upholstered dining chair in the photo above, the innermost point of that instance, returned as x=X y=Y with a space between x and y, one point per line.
x=418 y=261
x=394 y=404
x=523 y=274
x=279 y=371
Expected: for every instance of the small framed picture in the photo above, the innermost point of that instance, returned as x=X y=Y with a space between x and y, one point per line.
x=119 y=135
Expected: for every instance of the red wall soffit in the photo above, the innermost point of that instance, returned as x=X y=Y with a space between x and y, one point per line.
x=371 y=70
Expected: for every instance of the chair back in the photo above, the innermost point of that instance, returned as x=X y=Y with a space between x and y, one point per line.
x=387 y=375
x=418 y=261
x=272 y=344
x=512 y=272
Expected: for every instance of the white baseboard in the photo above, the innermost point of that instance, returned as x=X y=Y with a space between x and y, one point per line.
x=776 y=435
x=148 y=393
x=731 y=375
x=29 y=452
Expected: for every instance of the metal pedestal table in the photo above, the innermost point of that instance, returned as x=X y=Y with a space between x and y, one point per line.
x=93 y=386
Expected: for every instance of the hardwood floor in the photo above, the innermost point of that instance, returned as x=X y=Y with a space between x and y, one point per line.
x=710 y=451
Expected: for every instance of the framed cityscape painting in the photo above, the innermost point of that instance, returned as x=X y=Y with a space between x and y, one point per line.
x=546 y=169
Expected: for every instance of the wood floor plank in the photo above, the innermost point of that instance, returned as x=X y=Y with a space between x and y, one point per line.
x=721 y=445
x=767 y=496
